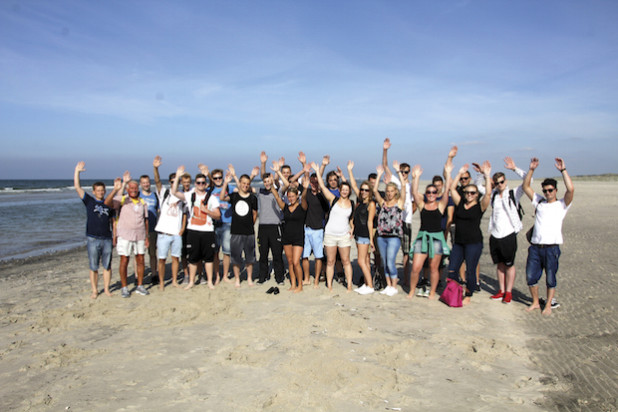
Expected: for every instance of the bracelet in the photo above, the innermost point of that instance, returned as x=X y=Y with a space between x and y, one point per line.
x=562 y=170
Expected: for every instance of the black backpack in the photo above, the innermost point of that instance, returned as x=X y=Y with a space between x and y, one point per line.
x=520 y=210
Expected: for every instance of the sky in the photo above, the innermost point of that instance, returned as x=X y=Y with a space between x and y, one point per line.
x=114 y=83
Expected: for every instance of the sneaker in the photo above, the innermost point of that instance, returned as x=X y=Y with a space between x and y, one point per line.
x=141 y=290
x=508 y=296
x=498 y=296
x=125 y=292
x=426 y=292
x=554 y=303
x=420 y=292
x=392 y=292
x=478 y=287
x=367 y=291
x=361 y=289
x=385 y=291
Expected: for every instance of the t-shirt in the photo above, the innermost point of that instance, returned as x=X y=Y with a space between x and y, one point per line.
x=548 y=221
x=268 y=209
x=172 y=210
x=242 y=213
x=408 y=208
x=98 y=218
x=198 y=220
x=132 y=217
x=224 y=206
x=153 y=209
x=317 y=206
x=468 y=228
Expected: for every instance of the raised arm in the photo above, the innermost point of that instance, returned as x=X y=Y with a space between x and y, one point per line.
x=416 y=172
x=180 y=195
x=486 y=170
x=327 y=194
x=534 y=163
x=453 y=187
x=156 y=163
x=376 y=193
x=387 y=172
x=404 y=181
x=276 y=167
x=303 y=198
x=303 y=161
x=224 y=195
x=448 y=169
x=109 y=200
x=561 y=166
x=80 y=167
x=325 y=162
x=263 y=160
x=232 y=171
x=254 y=173
x=275 y=192
x=352 y=180
x=340 y=175
x=449 y=159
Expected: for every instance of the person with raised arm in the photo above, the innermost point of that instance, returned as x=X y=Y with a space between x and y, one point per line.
x=269 y=229
x=98 y=231
x=364 y=217
x=408 y=210
x=544 y=251
x=244 y=208
x=430 y=241
x=317 y=206
x=338 y=230
x=152 y=200
x=293 y=236
x=131 y=230
x=203 y=211
x=468 y=241
x=171 y=225
x=390 y=225
x=504 y=224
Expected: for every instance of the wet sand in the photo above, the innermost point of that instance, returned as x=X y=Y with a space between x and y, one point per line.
x=248 y=350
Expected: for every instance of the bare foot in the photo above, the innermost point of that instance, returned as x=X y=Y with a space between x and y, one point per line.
x=533 y=307
x=226 y=279
x=316 y=286
x=306 y=282
x=292 y=288
x=108 y=293
x=175 y=284
x=94 y=295
x=298 y=289
x=237 y=284
x=432 y=296
x=410 y=295
x=547 y=310
x=217 y=281
x=161 y=287
x=251 y=283
x=348 y=290
x=189 y=286
x=465 y=301
x=210 y=285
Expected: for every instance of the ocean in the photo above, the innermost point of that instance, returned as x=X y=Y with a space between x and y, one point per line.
x=41 y=216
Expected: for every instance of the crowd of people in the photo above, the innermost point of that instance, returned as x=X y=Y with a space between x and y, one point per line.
x=210 y=227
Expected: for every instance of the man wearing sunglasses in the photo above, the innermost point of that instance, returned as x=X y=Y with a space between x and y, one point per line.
x=544 y=250
x=203 y=211
x=504 y=224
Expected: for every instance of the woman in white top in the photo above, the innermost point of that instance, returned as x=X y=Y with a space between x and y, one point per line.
x=338 y=230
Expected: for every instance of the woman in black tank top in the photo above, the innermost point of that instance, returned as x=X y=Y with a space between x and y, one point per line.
x=468 y=242
x=430 y=237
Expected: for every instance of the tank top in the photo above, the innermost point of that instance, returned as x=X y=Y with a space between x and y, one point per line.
x=294 y=221
x=468 y=227
x=338 y=221
x=361 y=218
x=431 y=220
x=390 y=221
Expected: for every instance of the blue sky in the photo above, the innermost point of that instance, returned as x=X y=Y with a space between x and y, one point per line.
x=115 y=83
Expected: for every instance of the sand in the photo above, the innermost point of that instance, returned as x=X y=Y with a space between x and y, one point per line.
x=247 y=350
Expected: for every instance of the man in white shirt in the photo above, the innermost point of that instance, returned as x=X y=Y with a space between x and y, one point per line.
x=544 y=250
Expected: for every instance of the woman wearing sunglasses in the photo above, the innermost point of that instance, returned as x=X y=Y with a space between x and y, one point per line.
x=430 y=242
x=468 y=242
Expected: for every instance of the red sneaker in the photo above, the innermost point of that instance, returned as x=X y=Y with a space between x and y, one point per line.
x=498 y=295
x=508 y=296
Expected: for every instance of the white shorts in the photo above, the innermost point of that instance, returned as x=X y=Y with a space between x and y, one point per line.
x=339 y=241
x=127 y=247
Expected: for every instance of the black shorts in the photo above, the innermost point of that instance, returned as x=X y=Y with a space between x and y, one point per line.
x=503 y=250
x=240 y=244
x=201 y=246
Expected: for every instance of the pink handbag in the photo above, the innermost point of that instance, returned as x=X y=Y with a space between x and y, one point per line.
x=453 y=294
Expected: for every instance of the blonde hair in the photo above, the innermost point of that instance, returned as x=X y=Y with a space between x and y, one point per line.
x=393 y=185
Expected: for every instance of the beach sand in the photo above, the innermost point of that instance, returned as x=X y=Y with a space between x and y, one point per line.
x=248 y=350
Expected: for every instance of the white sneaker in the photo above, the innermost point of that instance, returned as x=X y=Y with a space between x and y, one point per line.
x=361 y=289
x=367 y=291
x=385 y=290
x=392 y=292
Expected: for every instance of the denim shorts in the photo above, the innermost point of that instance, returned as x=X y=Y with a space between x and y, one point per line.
x=314 y=240
x=99 y=250
x=223 y=235
x=362 y=240
x=168 y=243
x=437 y=247
x=540 y=258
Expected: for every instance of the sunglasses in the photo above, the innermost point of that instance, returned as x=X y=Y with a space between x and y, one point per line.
x=217 y=177
x=405 y=171
x=431 y=192
x=201 y=182
x=468 y=192
x=465 y=178
x=364 y=190
x=500 y=182
x=548 y=190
